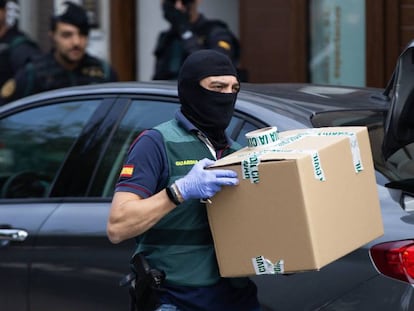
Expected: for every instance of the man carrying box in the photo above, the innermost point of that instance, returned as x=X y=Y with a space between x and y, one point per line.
x=160 y=197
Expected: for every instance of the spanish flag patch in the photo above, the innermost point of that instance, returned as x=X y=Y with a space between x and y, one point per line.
x=127 y=170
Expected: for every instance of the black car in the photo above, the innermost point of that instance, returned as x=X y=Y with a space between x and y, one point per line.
x=61 y=153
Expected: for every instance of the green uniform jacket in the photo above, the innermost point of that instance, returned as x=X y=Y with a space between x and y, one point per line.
x=181 y=244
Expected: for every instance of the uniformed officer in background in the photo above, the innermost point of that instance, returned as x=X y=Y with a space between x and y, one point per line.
x=67 y=64
x=16 y=48
x=190 y=31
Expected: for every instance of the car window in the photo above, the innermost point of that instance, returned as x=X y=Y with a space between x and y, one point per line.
x=141 y=115
x=238 y=128
x=34 y=143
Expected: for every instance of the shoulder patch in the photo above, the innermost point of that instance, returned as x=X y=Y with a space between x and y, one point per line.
x=224 y=45
x=8 y=88
x=127 y=170
x=93 y=72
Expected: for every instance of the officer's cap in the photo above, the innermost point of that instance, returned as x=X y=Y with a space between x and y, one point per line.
x=72 y=14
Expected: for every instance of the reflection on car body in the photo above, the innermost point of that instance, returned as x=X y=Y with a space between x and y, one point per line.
x=60 y=157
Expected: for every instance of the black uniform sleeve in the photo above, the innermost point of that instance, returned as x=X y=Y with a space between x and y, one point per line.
x=19 y=86
x=23 y=54
x=218 y=38
x=222 y=40
x=110 y=75
x=113 y=76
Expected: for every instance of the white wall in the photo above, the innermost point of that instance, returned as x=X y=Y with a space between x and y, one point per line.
x=151 y=22
x=27 y=23
x=99 y=37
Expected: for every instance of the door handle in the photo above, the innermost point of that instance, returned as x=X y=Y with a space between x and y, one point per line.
x=17 y=235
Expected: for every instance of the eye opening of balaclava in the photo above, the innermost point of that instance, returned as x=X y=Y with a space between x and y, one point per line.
x=209 y=111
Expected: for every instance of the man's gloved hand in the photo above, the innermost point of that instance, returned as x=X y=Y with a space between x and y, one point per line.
x=180 y=21
x=202 y=184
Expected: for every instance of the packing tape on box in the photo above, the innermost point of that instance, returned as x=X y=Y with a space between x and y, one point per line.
x=353 y=141
x=250 y=164
x=267 y=136
x=262 y=265
x=250 y=168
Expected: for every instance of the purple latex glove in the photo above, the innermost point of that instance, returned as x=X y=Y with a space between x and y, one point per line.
x=200 y=183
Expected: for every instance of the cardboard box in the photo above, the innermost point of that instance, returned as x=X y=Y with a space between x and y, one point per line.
x=311 y=200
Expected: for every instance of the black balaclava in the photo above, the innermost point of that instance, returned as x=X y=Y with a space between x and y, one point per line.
x=209 y=111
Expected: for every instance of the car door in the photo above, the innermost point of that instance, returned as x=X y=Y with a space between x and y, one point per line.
x=76 y=267
x=34 y=142
x=19 y=224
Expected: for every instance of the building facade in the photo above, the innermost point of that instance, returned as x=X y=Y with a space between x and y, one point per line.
x=353 y=42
